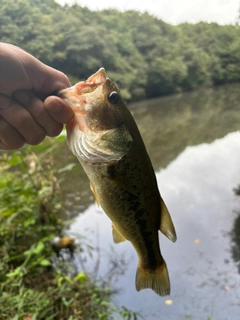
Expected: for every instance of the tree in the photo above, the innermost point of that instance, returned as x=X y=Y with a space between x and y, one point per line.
x=145 y=56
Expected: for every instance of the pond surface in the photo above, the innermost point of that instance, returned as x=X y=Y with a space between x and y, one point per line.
x=194 y=143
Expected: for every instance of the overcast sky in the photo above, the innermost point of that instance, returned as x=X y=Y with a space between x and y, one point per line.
x=173 y=11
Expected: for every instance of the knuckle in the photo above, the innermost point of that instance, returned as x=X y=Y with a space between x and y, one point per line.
x=36 y=138
x=5 y=102
x=11 y=145
x=55 y=130
x=17 y=145
x=10 y=139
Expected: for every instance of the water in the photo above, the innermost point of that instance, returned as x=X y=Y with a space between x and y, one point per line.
x=194 y=143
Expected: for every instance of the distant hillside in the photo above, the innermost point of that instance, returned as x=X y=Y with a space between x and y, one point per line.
x=144 y=55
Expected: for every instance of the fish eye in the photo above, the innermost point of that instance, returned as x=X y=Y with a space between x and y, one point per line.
x=113 y=97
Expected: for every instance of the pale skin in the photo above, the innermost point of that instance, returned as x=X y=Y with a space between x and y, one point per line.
x=29 y=110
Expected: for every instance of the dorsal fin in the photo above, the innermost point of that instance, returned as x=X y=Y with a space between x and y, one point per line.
x=166 y=224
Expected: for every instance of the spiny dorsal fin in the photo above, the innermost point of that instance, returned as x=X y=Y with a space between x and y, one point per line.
x=166 y=224
x=117 y=236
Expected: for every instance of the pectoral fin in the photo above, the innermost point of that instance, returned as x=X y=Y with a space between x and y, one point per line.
x=117 y=236
x=94 y=193
x=166 y=224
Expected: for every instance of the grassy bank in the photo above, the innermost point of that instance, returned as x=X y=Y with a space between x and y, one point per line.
x=36 y=280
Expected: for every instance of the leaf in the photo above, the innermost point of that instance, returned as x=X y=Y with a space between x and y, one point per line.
x=16 y=272
x=45 y=263
x=80 y=277
x=169 y=302
x=29 y=222
x=69 y=280
x=67 y=303
x=39 y=248
x=59 y=281
x=68 y=167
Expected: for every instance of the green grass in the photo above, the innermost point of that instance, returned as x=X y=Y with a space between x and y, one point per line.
x=34 y=282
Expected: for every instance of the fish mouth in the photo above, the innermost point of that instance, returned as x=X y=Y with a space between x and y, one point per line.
x=74 y=96
x=98 y=78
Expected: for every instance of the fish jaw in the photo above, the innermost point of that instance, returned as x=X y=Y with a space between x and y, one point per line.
x=98 y=78
x=75 y=96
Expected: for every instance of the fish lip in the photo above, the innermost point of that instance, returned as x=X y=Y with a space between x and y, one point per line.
x=74 y=99
x=90 y=84
x=72 y=95
x=98 y=77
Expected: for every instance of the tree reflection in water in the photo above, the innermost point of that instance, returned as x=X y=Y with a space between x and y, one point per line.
x=235 y=233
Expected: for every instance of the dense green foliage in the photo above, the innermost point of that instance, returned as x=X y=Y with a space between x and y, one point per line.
x=144 y=55
x=34 y=282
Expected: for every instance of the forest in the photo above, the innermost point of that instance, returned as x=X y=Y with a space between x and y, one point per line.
x=145 y=56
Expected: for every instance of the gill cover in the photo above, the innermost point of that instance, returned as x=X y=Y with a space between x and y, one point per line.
x=103 y=146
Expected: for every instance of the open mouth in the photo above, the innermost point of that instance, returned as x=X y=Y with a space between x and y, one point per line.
x=98 y=78
x=74 y=96
x=83 y=87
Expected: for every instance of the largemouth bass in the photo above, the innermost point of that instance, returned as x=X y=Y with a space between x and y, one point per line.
x=105 y=138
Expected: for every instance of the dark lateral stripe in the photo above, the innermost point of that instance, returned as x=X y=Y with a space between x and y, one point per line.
x=147 y=236
x=135 y=206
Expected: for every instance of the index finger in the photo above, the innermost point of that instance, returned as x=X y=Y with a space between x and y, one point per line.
x=53 y=80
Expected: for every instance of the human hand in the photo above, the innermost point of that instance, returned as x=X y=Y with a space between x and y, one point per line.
x=28 y=109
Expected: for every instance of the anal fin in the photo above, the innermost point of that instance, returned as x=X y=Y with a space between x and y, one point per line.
x=117 y=236
x=166 y=224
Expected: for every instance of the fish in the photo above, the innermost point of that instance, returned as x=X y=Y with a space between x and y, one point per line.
x=104 y=137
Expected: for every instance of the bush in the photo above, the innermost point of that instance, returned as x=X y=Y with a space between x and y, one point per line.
x=34 y=282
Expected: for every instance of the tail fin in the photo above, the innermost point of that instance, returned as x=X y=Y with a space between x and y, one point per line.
x=157 y=280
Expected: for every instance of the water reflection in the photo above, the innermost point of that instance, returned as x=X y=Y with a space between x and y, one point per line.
x=196 y=153
x=168 y=125
x=197 y=186
x=235 y=232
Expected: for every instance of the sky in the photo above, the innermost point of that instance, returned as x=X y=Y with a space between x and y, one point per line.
x=173 y=11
